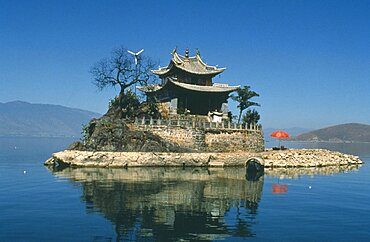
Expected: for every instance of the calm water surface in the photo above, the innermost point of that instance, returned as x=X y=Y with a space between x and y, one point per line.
x=167 y=204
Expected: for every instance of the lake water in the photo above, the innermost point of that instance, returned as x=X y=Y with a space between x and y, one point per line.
x=168 y=204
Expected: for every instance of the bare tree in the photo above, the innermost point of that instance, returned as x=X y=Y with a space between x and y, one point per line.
x=120 y=70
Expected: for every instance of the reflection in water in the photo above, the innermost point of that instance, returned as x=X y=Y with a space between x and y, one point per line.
x=169 y=204
x=279 y=188
x=294 y=173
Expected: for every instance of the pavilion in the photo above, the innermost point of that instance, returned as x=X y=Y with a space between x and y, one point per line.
x=187 y=87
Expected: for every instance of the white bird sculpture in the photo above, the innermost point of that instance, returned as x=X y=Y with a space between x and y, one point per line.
x=136 y=55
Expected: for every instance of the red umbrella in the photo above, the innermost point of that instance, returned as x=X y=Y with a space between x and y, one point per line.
x=280 y=135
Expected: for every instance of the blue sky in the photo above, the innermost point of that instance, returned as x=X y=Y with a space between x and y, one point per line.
x=309 y=60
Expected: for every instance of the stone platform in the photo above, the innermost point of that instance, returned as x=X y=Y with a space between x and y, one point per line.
x=268 y=158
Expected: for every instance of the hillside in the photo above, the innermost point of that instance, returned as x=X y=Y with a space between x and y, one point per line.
x=351 y=132
x=42 y=120
x=291 y=131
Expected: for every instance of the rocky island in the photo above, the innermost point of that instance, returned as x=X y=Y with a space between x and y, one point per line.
x=184 y=122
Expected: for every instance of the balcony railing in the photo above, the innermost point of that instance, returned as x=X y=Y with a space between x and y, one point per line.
x=188 y=123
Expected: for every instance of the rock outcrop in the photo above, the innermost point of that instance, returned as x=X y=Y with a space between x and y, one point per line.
x=113 y=134
x=287 y=158
x=308 y=158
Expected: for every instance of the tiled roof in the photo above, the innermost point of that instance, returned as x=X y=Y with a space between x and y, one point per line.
x=194 y=65
x=191 y=87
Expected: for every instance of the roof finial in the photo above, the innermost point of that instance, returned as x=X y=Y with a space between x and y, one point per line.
x=187 y=53
x=197 y=51
x=174 y=50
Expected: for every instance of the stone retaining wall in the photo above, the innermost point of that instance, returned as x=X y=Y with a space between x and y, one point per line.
x=215 y=140
x=182 y=136
x=220 y=141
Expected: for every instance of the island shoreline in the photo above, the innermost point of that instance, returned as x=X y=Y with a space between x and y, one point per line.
x=295 y=158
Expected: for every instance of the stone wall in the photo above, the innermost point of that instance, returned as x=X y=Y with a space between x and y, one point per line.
x=185 y=137
x=242 y=140
x=213 y=140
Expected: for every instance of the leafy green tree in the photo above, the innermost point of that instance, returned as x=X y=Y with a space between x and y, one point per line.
x=251 y=117
x=243 y=97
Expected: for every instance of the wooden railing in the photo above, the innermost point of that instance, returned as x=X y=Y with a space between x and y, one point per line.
x=188 y=123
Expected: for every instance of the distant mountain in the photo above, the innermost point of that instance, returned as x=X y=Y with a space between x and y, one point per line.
x=42 y=120
x=352 y=132
x=291 y=131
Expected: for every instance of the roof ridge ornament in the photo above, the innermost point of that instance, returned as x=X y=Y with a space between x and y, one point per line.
x=174 y=50
x=187 y=55
x=197 y=52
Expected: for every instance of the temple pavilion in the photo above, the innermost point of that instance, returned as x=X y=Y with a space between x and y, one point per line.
x=187 y=87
